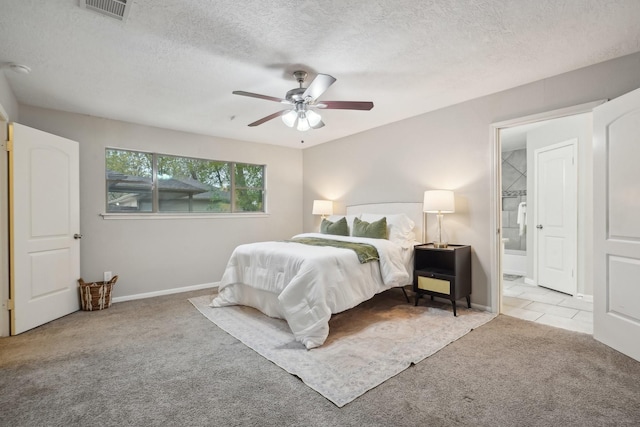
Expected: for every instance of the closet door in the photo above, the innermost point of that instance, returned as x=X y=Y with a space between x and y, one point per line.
x=44 y=224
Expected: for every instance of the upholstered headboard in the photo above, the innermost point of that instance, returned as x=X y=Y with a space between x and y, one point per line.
x=412 y=209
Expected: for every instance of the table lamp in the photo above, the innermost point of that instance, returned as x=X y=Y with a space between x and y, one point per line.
x=439 y=202
x=322 y=207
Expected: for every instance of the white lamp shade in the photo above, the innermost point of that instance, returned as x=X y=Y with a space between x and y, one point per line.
x=314 y=118
x=302 y=120
x=289 y=118
x=303 y=123
x=438 y=201
x=322 y=207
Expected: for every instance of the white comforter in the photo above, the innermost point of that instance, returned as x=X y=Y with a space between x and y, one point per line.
x=305 y=284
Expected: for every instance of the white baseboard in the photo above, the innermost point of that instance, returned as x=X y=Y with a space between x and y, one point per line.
x=481 y=307
x=585 y=298
x=165 y=292
x=514 y=272
x=215 y=285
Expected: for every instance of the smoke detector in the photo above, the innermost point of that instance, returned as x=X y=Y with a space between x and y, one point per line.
x=118 y=9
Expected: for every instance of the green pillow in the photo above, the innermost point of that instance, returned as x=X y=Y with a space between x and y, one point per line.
x=374 y=230
x=338 y=228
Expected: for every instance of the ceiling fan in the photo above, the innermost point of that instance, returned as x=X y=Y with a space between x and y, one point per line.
x=303 y=101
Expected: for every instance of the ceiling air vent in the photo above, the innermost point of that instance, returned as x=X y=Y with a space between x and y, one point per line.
x=118 y=9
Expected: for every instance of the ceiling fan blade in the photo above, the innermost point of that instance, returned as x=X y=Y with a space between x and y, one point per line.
x=345 y=105
x=257 y=95
x=318 y=126
x=269 y=117
x=317 y=87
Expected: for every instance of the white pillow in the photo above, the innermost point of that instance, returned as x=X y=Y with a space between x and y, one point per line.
x=399 y=228
x=350 y=218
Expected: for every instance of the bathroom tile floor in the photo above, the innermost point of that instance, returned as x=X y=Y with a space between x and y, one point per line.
x=541 y=305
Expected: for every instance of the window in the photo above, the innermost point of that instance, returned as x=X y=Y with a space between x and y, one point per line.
x=150 y=182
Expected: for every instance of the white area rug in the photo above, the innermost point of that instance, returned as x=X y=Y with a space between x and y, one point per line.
x=366 y=346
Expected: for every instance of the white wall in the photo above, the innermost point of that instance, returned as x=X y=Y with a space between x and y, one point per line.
x=163 y=254
x=553 y=132
x=450 y=149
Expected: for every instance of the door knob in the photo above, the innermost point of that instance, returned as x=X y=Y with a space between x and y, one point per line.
x=77 y=236
x=539 y=226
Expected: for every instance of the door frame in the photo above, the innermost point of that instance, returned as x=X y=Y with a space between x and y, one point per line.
x=5 y=314
x=495 y=291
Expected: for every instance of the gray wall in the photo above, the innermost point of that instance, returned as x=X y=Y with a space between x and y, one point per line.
x=450 y=149
x=155 y=255
x=7 y=100
x=445 y=149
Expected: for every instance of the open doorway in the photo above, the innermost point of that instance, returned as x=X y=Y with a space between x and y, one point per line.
x=520 y=145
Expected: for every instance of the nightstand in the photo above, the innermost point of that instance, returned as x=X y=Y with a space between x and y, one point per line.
x=442 y=272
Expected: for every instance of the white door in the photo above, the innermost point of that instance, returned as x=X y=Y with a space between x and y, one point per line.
x=44 y=217
x=616 y=199
x=556 y=216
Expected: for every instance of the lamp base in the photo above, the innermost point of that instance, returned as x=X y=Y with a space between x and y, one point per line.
x=440 y=245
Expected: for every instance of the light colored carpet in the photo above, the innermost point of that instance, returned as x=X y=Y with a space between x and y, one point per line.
x=366 y=346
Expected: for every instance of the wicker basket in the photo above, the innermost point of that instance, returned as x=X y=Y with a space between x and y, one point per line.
x=96 y=295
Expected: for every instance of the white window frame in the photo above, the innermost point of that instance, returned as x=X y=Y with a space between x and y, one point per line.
x=156 y=214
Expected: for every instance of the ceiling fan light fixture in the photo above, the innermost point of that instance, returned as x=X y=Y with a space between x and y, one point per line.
x=303 y=123
x=314 y=118
x=289 y=118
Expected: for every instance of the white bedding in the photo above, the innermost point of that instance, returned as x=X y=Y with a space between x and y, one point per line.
x=305 y=284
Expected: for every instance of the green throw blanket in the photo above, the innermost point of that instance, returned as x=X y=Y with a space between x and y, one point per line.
x=364 y=251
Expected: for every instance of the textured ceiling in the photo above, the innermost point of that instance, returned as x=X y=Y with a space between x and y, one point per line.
x=174 y=64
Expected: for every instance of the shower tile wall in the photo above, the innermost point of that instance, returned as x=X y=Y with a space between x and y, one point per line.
x=514 y=191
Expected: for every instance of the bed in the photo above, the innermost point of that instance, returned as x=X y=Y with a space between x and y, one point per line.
x=311 y=276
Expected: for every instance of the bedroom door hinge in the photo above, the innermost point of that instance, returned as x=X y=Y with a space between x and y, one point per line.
x=10 y=306
x=7 y=145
